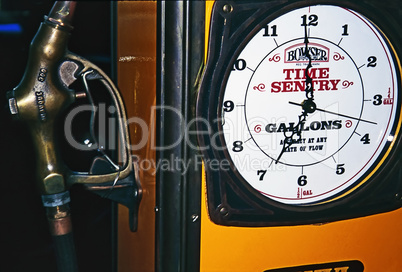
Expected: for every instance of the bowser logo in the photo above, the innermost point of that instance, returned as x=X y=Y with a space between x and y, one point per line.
x=297 y=53
x=346 y=266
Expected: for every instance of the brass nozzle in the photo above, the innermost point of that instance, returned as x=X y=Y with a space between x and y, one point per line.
x=62 y=13
x=41 y=97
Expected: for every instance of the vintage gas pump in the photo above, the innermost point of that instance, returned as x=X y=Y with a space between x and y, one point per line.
x=278 y=154
x=298 y=123
x=266 y=134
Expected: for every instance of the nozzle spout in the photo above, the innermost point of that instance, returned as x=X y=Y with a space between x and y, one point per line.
x=62 y=13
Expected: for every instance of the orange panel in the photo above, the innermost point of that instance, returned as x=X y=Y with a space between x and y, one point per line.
x=136 y=54
x=373 y=240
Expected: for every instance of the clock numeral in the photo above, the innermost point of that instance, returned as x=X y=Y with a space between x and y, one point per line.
x=266 y=31
x=261 y=173
x=228 y=106
x=377 y=100
x=302 y=180
x=372 y=61
x=237 y=146
x=345 y=30
x=239 y=65
x=365 y=139
x=340 y=169
x=312 y=20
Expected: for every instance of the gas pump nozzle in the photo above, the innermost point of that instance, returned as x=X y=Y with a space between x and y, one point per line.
x=40 y=100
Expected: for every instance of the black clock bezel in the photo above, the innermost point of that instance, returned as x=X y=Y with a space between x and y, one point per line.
x=233 y=202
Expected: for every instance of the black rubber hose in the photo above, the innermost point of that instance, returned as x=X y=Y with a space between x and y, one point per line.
x=60 y=227
x=65 y=253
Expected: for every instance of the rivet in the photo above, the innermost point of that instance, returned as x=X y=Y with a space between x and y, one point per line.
x=227 y=8
x=224 y=211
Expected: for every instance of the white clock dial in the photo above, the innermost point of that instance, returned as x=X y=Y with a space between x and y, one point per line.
x=304 y=128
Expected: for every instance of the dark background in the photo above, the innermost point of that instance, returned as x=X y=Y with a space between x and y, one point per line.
x=25 y=242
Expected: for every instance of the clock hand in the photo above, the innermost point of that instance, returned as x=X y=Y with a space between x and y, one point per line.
x=309 y=105
x=288 y=141
x=314 y=108
x=286 y=144
x=309 y=81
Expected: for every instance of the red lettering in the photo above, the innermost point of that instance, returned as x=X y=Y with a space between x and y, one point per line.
x=300 y=86
x=287 y=72
x=307 y=192
x=314 y=73
x=323 y=72
x=334 y=83
x=287 y=86
x=275 y=87
x=323 y=85
x=300 y=73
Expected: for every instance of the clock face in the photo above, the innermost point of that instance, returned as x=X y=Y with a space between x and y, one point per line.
x=310 y=109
